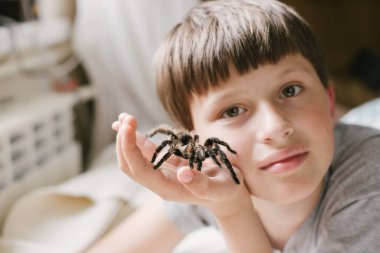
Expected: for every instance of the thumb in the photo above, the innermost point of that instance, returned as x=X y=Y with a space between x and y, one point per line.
x=186 y=176
x=194 y=181
x=207 y=187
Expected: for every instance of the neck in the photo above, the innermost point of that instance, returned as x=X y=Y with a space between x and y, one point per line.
x=282 y=220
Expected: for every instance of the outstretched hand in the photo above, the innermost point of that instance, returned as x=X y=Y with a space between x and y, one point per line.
x=174 y=180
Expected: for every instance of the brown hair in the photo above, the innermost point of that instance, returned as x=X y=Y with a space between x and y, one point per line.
x=216 y=35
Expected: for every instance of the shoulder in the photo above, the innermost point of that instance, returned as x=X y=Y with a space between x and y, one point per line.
x=347 y=135
x=355 y=170
x=344 y=219
x=358 y=145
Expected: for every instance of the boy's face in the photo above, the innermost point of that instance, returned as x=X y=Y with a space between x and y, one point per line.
x=280 y=119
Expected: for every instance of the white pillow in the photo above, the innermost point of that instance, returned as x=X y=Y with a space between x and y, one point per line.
x=367 y=114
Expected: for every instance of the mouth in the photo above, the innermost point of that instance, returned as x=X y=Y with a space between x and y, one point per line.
x=284 y=161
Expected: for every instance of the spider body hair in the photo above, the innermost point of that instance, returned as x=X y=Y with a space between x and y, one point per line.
x=187 y=146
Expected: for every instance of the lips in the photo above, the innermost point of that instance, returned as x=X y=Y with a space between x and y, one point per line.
x=284 y=161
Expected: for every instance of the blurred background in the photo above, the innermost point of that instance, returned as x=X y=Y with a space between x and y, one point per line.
x=69 y=67
x=349 y=31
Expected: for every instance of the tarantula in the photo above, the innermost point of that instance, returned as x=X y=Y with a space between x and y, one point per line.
x=185 y=145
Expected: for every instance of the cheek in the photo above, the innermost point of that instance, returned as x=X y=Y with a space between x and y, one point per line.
x=236 y=140
x=317 y=129
x=211 y=131
x=242 y=144
x=317 y=119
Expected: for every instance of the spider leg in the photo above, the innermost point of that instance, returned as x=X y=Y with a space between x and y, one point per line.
x=161 y=131
x=192 y=160
x=163 y=159
x=223 y=157
x=199 y=167
x=158 y=150
x=213 y=155
x=212 y=140
x=177 y=152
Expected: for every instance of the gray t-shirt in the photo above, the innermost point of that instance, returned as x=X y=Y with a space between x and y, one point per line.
x=347 y=218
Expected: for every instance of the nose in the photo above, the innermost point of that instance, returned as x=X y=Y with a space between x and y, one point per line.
x=272 y=125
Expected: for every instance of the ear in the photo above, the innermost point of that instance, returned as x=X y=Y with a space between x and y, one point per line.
x=331 y=97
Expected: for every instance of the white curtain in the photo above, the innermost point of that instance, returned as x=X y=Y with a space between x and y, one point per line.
x=116 y=40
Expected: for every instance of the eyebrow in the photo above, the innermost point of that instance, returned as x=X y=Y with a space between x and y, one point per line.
x=292 y=70
x=220 y=96
x=215 y=98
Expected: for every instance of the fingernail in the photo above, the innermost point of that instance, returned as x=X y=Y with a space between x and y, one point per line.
x=122 y=116
x=186 y=176
x=115 y=125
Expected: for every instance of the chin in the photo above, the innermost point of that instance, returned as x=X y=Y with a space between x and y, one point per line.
x=286 y=194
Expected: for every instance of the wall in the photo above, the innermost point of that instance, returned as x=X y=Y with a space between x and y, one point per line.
x=344 y=27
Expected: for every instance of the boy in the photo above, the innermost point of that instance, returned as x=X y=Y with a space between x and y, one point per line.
x=251 y=73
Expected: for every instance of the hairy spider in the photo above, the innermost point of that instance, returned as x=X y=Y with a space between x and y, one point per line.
x=185 y=145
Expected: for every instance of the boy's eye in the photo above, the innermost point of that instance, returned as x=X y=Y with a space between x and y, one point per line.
x=232 y=112
x=290 y=91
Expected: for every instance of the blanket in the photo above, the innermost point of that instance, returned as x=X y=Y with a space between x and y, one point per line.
x=69 y=217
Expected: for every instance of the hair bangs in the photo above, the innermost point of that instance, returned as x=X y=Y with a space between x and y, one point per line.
x=199 y=52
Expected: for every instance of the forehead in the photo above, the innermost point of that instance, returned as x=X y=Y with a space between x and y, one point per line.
x=268 y=73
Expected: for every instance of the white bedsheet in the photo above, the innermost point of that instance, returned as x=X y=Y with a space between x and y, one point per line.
x=69 y=217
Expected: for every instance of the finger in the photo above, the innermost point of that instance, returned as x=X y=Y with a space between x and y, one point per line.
x=116 y=125
x=132 y=161
x=122 y=116
x=130 y=151
x=139 y=167
x=123 y=165
x=146 y=146
x=134 y=165
x=213 y=185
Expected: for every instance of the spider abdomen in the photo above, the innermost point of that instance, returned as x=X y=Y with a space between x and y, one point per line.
x=201 y=154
